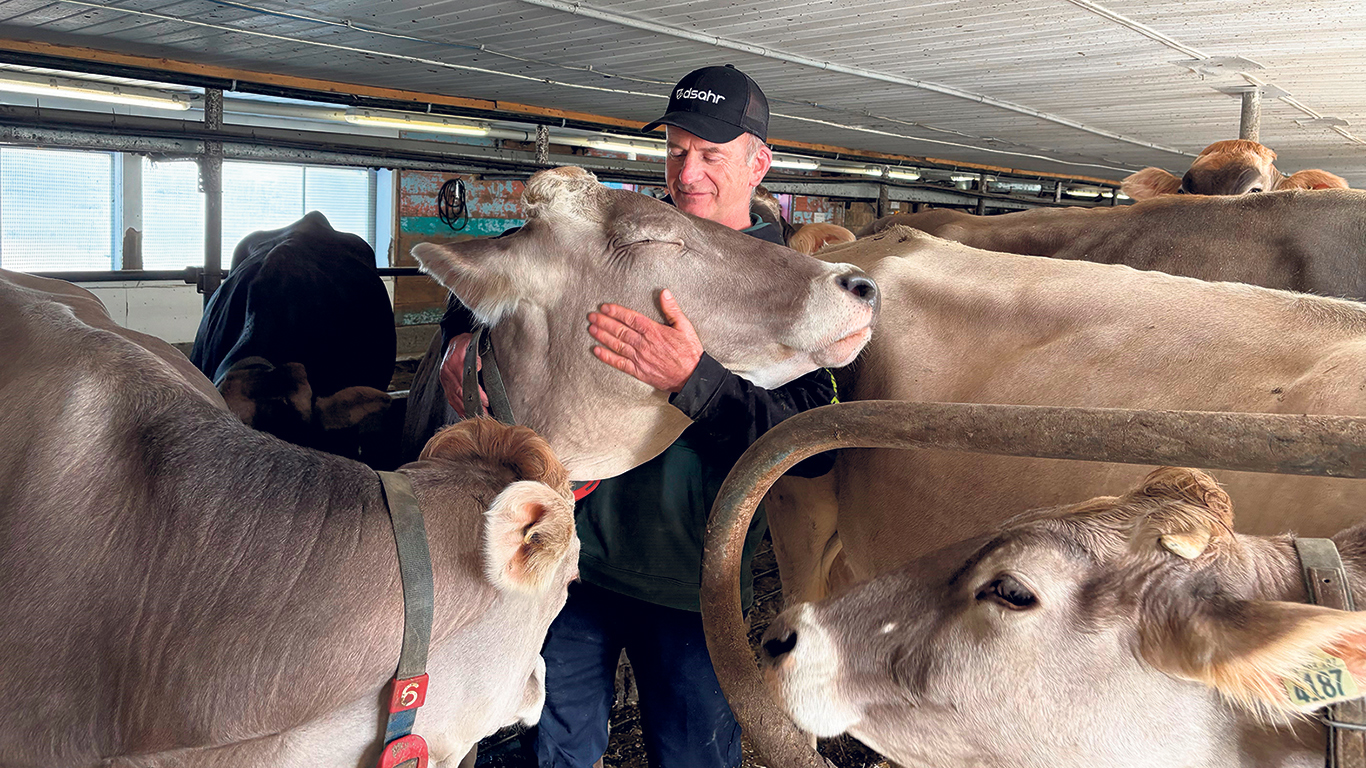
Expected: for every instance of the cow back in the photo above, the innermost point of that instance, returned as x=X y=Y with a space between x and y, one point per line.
x=306 y=294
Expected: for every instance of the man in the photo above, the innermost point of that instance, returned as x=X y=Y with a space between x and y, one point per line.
x=641 y=562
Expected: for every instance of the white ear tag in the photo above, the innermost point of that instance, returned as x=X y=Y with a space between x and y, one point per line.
x=1323 y=681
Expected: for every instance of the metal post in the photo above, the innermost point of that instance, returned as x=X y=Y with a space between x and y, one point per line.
x=211 y=181
x=543 y=144
x=130 y=198
x=1057 y=191
x=883 y=203
x=1249 y=124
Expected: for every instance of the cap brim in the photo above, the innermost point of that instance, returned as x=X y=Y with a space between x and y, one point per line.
x=701 y=126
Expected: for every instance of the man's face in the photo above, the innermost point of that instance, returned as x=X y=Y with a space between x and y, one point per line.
x=714 y=181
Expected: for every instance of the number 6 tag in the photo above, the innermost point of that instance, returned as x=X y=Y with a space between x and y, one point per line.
x=1323 y=681
x=409 y=693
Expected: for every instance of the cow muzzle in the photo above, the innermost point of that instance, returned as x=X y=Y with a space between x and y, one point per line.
x=801 y=665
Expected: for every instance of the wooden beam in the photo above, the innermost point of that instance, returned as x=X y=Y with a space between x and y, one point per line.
x=162 y=64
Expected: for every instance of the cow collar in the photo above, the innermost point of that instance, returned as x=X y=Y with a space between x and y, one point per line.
x=402 y=747
x=1325 y=579
x=480 y=350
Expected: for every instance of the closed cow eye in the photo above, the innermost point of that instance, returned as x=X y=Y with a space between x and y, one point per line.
x=1008 y=591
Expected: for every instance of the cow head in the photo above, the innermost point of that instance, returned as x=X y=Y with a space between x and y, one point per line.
x=763 y=311
x=810 y=238
x=517 y=558
x=1132 y=630
x=1233 y=167
x=279 y=400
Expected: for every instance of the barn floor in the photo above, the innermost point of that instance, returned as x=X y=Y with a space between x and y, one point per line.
x=512 y=748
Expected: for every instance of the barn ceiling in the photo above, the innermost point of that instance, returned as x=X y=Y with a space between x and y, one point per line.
x=1060 y=86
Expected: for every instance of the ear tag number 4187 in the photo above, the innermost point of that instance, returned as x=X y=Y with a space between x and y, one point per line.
x=1323 y=681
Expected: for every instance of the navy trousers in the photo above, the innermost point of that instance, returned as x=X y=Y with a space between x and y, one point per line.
x=685 y=719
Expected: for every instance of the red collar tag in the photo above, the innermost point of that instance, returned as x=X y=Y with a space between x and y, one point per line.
x=581 y=491
x=408 y=752
x=409 y=693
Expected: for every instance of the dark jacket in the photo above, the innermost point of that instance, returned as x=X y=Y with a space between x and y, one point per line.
x=642 y=531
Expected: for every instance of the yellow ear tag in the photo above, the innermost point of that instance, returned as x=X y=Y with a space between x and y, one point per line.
x=1323 y=681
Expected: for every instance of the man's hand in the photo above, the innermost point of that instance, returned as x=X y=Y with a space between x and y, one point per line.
x=453 y=374
x=663 y=356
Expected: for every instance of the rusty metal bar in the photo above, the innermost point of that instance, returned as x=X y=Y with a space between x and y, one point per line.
x=1333 y=446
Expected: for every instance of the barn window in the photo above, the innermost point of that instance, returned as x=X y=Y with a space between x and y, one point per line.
x=56 y=209
x=172 y=215
x=255 y=196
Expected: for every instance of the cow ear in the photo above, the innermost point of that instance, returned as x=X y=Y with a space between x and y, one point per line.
x=494 y=444
x=477 y=271
x=1149 y=183
x=1191 y=512
x=1255 y=652
x=1311 y=179
x=529 y=531
x=235 y=387
x=351 y=407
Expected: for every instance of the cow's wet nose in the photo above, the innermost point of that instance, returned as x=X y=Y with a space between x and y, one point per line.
x=861 y=285
x=779 y=643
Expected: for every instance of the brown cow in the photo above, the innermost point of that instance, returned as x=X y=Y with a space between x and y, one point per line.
x=1298 y=241
x=1135 y=630
x=964 y=325
x=177 y=589
x=1234 y=167
x=761 y=310
x=810 y=238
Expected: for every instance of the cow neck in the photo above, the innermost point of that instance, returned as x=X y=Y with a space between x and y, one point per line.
x=238 y=523
x=1325 y=580
x=480 y=350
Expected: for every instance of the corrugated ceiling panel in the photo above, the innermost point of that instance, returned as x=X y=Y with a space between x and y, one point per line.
x=1054 y=57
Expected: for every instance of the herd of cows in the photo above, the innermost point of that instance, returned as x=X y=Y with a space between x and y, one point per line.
x=180 y=589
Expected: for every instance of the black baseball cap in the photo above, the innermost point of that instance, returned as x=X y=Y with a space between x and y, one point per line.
x=717 y=104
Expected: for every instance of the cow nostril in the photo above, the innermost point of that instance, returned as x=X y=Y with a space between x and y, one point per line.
x=777 y=647
x=861 y=286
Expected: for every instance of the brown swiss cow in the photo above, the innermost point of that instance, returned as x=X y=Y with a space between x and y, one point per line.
x=178 y=589
x=963 y=325
x=1297 y=240
x=1235 y=167
x=761 y=310
x=1127 y=631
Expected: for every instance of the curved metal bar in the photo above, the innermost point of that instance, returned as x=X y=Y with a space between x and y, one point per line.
x=1334 y=446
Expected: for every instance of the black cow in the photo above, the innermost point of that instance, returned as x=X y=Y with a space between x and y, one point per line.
x=300 y=337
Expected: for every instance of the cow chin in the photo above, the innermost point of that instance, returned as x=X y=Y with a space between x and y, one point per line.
x=843 y=351
x=836 y=354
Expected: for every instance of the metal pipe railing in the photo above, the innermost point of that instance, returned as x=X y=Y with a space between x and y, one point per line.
x=188 y=275
x=1333 y=446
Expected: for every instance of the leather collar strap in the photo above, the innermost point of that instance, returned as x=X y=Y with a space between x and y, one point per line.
x=402 y=747
x=481 y=348
x=1326 y=580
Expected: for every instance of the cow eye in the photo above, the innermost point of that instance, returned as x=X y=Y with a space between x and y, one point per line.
x=1255 y=189
x=1008 y=591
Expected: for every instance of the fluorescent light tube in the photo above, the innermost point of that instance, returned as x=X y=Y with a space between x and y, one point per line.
x=906 y=175
x=91 y=90
x=413 y=122
x=625 y=145
x=796 y=163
